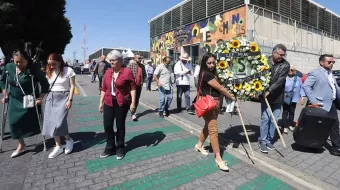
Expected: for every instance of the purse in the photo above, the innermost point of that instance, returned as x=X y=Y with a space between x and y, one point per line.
x=205 y=104
x=28 y=100
x=288 y=96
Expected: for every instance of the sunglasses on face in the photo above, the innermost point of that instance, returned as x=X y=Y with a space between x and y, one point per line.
x=329 y=62
x=281 y=54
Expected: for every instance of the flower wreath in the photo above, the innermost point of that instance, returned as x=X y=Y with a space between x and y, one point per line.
x=243 y=55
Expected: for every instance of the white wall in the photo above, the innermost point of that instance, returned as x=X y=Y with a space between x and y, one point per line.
x=304 y=46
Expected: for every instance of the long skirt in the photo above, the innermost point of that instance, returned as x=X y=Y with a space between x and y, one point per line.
x=55 y=114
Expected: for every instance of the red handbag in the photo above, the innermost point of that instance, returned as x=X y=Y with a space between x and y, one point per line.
x=205 y=104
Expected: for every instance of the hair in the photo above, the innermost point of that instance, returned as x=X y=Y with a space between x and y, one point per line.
x=24 y=54
x=58 y=58
x=203 y=64
x=166 y=57
x=323 y=56
x=280 y=47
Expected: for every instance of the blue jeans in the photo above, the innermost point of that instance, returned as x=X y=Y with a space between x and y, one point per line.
x=267 y=126
x=186 y=90
x=148 y=82
x=165 y=99
x=94 y=76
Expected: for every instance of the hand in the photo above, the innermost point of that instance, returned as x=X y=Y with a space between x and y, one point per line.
x=132 y=108
x=4 y=100
x=314 y=105
x=302 y=101
x=159 y=84
x=38 y=101
x=100 y=108
x=68 y=105
x=266 y=94
x=233 y=98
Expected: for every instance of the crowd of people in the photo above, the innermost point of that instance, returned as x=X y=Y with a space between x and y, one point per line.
x=120 y=87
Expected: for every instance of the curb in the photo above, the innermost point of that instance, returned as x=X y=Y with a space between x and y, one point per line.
x=290 y=175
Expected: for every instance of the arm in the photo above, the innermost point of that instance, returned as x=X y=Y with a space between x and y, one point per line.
x=214 y=84
x=3 y=82
x=155 y=74
x=197 y=72
x=302 y=92
x=281 y=79
x=133 y=91
x=308 y=87
x=43 y=82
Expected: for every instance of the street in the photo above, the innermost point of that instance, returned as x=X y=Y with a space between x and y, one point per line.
x=160 y=154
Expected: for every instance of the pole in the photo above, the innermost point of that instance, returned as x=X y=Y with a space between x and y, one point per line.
x=244 y=129
x=274 y=120
x=4 y=113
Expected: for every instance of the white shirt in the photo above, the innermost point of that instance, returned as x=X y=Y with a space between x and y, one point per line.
x=331 y=81
x=63 y=82
x=197 y=71
x=180 y=71
x=112 y=87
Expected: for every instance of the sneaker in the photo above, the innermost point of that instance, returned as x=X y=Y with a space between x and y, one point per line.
x=263 y=148
x=285 y=131
x=105 y=154
x=69 y=146
x=133 y=117
x=161 y=115
x=291 y=128
x=120 y=154
x=271 y=147
x=190 y=111
x=56 y=151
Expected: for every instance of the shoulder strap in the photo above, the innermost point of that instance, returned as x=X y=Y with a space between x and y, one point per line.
x=199 y=88
x=295 y=79
x=54 y=81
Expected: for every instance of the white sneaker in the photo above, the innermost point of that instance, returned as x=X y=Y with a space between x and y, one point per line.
x=291 y=128
x=285 y=130
x=56 y=151
x=69 y=146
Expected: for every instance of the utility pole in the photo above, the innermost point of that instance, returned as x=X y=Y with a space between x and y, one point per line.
x=84 y=47
x=74 y=55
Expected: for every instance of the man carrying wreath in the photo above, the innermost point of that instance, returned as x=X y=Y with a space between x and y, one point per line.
x=279 y=69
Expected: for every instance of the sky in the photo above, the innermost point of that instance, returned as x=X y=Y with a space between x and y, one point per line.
x=121 y=23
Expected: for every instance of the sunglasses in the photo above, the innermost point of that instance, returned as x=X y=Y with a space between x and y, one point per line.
x=329 y=62
x=282 y=54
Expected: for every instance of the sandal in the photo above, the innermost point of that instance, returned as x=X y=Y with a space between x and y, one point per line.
x=201 y=150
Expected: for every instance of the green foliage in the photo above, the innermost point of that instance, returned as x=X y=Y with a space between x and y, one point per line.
x=34 y=21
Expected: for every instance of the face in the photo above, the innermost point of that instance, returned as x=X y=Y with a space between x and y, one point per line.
x=279 y=55
x=167 y=61
x=185 y=61
x=20 y=62
x=114 y=63
x=291 y=72
x=53 y=64
x=211 y=63
x=138 y=58
x=328 y=63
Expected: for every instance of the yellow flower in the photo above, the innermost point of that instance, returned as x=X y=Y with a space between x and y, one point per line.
x=258 y=86
x=235 y=44
x=254 y=47
x=238 y=86
x=263 y=68
x=222 y=65
x=225 y=51
x=264 y=59
x=247 y=87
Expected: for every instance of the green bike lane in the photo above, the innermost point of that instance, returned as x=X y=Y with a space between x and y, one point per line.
x=159 y=155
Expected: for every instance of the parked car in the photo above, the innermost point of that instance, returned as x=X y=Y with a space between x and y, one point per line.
x=336 y=74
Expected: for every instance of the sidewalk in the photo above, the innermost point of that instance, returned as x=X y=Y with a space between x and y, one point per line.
x=319 y=169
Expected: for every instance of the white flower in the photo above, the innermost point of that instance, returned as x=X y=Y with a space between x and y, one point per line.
x=247 y=48
x=247 y=93
x=220 y=51
x=263 y=78
x=229 y=85
x=243 y=43
x=222 y=58
x=235 y=90
x=237 y=49
x=228 y=59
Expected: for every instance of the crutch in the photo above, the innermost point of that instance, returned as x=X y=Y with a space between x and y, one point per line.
x=274 y=119
x=4 y=113
x=38 y=115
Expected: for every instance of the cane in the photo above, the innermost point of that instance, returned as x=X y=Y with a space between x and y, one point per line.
x=274 y=120
x=4 y=112
x=38 y=115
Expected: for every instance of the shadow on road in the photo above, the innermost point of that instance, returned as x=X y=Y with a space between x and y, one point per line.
x=146 y=139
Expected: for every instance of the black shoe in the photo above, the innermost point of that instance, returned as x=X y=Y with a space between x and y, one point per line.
x=167 y=113
x=105 y=154
x=335 y=152
x=161 y=115
x=120 y=154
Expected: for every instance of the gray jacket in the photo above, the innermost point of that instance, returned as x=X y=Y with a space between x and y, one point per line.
x=318 y=89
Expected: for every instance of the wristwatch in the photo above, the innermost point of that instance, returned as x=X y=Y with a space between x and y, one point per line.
x=70 y=99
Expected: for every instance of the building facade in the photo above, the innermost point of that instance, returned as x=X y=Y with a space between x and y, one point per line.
x=104 y=51
x=196 y=26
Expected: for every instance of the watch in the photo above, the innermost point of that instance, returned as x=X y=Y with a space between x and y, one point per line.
x=70 y=99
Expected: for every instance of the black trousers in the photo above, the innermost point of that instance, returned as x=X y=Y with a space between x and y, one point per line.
x=111 y=114
x=334 y=132
x=100 y=78
x=138 y=93
x=288 y=114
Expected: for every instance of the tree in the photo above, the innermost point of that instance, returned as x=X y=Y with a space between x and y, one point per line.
x=34 y=21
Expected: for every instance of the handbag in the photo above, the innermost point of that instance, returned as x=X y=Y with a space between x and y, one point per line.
x=288 y=96
x=205 y=104
x=28 y=99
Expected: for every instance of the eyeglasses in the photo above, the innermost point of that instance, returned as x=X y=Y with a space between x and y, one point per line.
x=282 y=54
x=329 y=62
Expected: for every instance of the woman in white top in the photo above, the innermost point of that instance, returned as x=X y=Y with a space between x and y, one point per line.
x=58 y=102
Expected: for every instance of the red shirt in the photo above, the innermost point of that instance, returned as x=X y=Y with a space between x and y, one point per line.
x=125 y=82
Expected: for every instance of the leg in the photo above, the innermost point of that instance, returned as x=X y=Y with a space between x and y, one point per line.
x=138 y=93
x=334 y=132
x=276 y=108
x=109 y=117
x=169 y=97
x=187 y=96
x=285 y=113
x=203 y=136
x=100 y=82
x=179 y=97
x=57 y=141
x=21 y=144
x=291 y=113
x=161 y=99
x=120 y=113
x=264 y=125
